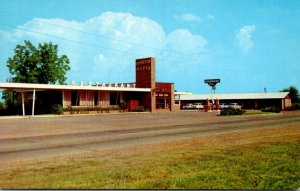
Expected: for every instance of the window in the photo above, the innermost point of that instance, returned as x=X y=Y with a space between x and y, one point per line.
x=96 y=98
x=114 y=98
x=162 y=101
x=75 y=101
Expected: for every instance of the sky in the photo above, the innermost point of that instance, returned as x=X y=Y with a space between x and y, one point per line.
x=250 y=45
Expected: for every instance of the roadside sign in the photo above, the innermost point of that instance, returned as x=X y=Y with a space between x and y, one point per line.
x=212 y=82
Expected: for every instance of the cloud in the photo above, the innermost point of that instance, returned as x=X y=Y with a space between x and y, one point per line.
x=187 y=17
x=184 y=42
x=210 y=17
x=191 y=18
x=243 y=37
x=126 y=28
x=104 y=48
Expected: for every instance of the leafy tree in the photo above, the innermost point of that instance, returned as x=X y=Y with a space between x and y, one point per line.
x=31 y=64
x=40 y=64
x=294 y=93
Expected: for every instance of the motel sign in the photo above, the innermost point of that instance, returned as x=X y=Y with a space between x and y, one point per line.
x=212 y=82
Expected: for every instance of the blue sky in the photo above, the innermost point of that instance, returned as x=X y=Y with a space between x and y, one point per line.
x=249 y=44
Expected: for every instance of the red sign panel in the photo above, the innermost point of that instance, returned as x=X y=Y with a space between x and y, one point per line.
x=144 y=73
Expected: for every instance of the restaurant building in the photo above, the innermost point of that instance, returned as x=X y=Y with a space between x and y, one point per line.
x=145 y=92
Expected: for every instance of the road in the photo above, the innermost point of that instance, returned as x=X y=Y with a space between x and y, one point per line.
x=33 y=138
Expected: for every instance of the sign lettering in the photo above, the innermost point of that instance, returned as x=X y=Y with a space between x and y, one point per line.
x=143 y=62
x=142 y=68
x=212 y=82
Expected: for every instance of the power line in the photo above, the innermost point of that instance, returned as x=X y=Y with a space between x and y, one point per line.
x=62 y=38
x=88 y=33
x=163 y=52
x=83 y=43
x=121 y=51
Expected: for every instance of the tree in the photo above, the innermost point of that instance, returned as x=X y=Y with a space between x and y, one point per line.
x=31 y=64
x=294 y=93
x=38 y=65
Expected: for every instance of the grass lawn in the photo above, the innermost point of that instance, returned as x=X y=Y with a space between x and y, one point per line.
x=261 y=159
x=258 y=112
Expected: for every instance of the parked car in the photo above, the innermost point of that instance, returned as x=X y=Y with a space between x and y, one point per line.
x=198 y=106
x=234 y=106
x=223 y=106
x=188 y=106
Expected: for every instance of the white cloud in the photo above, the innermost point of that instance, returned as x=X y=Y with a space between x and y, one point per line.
x=243 y=36
x=37 y=28
x=184 y=42
x=210 y=17
x=191 y=18
x=187 y=17
x=100 y=59
x=125 y=31
x=104 y=48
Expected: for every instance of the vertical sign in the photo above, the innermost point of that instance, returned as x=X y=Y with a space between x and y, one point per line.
x=145 y=73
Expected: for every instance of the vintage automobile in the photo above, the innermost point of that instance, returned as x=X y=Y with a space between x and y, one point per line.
x=198 y=106
x=223 y=106
x=188 y=106
x=234 y=106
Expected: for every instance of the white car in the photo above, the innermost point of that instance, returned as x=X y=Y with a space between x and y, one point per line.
x=198 y=106
x=188 y=106
x=234 y=106
x=223 y=106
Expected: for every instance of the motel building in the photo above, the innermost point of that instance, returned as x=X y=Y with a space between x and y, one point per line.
x=261 y=100
x=144 y=92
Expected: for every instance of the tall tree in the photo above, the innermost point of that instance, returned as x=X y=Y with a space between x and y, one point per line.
x=294 y=93
x=31 y=64
x=40 y=64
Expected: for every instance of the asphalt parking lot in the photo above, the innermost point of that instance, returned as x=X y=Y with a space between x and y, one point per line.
x=49 y=136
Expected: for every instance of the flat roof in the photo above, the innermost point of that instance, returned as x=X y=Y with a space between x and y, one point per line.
x=231 y=96
x=28 y=86
x=182 y=93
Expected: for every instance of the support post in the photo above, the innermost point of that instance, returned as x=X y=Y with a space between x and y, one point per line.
x=33 y=102
x=212 y=100
x=23 y=104
x=63 y=98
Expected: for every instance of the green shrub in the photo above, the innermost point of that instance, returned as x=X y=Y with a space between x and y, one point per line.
x=230 y=111
x=86 y=110
x=57 y=109
x=2 y=109
x=72 y=110
x=271 y=109
x=104 y=109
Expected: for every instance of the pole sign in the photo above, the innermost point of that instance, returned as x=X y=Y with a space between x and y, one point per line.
x=212 y=82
